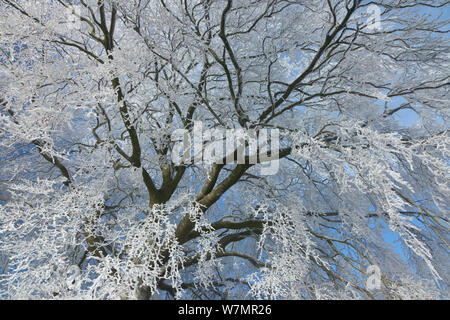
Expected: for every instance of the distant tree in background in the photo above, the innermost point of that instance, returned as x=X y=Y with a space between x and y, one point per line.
x=92 y=207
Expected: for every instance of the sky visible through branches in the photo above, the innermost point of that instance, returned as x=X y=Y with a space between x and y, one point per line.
x=224 y=149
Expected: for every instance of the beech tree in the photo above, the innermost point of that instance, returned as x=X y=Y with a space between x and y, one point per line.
x=92 y=205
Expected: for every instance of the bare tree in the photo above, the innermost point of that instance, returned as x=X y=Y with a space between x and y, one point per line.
x=92 y=91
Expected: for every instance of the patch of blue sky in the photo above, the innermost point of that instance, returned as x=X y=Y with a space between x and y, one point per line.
x=406 y=117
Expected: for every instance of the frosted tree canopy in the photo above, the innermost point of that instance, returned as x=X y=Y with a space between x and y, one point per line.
x=93 y=205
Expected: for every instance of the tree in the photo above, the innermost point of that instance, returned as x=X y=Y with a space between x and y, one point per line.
x=94 y=207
